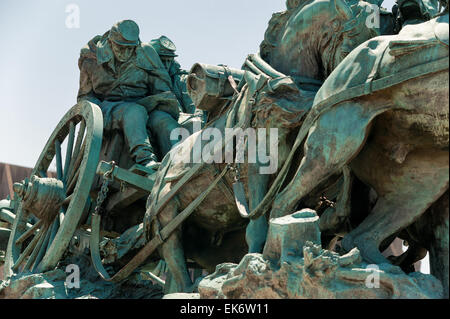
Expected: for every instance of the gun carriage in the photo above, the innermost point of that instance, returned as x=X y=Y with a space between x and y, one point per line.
x=51 y=213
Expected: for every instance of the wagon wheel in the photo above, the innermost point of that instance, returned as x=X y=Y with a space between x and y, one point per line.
x=50 y=208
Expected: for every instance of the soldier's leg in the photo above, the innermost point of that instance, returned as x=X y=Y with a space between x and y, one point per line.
x=161 y=125
x=133 y=121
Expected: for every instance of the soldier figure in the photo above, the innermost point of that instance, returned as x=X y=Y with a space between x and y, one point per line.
x=161 y=122
x=122 y=76
x=166 y=50
x=416 y=11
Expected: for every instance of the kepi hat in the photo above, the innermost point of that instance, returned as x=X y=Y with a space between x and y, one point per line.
x=164 y=46
x=125 y=33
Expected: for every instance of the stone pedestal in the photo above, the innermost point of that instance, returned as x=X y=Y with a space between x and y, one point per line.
x=288 y=234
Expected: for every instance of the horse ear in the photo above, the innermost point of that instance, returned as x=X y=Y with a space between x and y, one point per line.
x=343 y=9
x=292 y=4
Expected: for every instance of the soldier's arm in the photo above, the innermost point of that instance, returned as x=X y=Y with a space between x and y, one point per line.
x=186 y=101
x=158 y=94
x=156 y=85
x=163 y=97
x=86 y=91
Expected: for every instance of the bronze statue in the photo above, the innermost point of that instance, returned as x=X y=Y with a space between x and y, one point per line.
x=121 y=74
x=307 y=60
x=388 y=123
x=359 y=109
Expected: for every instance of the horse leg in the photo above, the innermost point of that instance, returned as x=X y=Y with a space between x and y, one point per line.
x=258 y=182
x=335 y=138
x=439 y=256
x=408 y=190
x=414 y=254
x=172 y=249
x=439 y=246
x=406 y=261
x=256 y=231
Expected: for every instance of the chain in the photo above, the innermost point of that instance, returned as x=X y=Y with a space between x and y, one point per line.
x=235 y=169
x=123 y=186
x=325 y=202
x=103 y=193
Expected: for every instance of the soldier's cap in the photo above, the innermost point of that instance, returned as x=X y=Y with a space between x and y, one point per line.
x=164 y=46
x=125 y=32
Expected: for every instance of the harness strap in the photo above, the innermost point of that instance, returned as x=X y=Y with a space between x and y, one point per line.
x=357 y=91
x=157 y=204
x=150 y=247
x=240 y=199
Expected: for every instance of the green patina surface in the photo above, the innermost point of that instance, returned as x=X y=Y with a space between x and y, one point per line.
x=370 y=100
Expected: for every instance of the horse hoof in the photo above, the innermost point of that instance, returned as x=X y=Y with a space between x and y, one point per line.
x=347 y=243
x=369 y=250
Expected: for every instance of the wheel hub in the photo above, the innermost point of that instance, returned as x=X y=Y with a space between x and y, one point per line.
x=41 y=196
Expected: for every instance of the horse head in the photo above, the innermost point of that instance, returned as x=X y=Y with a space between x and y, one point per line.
x=318 y=34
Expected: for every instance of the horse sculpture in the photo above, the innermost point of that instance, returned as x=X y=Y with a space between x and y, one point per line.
x=306 y=53
x=383 y=112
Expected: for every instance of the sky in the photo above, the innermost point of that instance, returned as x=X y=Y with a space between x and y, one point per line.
x=39 y=74
x=40 y=45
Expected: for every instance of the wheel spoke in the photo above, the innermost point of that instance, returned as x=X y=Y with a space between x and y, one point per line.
x=54 y=229
x=77 y=148
x=59 y=172
x=69 y=149
x=39 y=247
x=27 y=251
x=61 y=215
x=71 y=181
x=67 y=200
x=42 y=250
x=80 y=137
x=29 y=232
x=36 y=249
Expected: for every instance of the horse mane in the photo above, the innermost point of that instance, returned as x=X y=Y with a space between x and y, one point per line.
x=277 y=24
x=345 y=33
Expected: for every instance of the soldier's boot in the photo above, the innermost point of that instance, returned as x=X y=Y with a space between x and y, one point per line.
x=144 y=155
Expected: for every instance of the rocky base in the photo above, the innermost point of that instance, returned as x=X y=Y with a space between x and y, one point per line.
x=293 y=265
x=56 y=285
x=320 y=274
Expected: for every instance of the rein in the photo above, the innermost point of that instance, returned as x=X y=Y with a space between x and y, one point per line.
x=153 y=210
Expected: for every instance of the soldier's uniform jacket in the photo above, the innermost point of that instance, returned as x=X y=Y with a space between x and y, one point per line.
x=142 y=75
x=178 y=78
x=166 y=48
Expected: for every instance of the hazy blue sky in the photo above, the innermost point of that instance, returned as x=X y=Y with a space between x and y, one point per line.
x=38 y=57
x=38 y=60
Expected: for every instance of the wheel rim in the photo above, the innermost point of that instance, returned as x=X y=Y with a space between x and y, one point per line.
x=38 y=247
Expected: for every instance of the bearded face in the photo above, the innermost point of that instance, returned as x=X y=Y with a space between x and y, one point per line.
x=121 y=52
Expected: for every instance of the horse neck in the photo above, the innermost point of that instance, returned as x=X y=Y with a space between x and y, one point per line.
x=299 y=51
x=217 y=120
